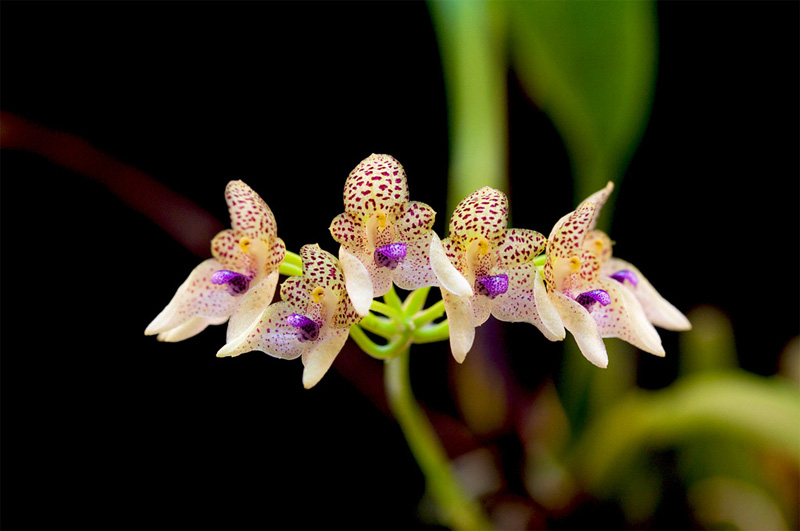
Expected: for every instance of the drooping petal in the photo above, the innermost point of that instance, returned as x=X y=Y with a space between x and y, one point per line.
x=272 y=334
x=520 y=246
x=250 y=215
x=415 y=270
x=190 y=328
x=449 y=277
x=196 y=297
x=319 y=358
x=377 y=184
x=658 y=310
x=582 y=327
x=461 y=323
x=484 y=213
x=624 y=318
x=252 y=305
x=357 y=280
x=526 y=301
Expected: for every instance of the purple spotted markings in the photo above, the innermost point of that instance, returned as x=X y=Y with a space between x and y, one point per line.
x=626 y=274
x=390 y=256
x=236 y=283
x=492 y=286
x=307 y=329
x=589 y=298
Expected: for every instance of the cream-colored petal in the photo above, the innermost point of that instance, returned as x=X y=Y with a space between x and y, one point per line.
x=624 y=318
x=196 y=297
x=357 y=280
x=271 y=335
x=552 y=325
x=252 y=305
x=484 y=213
x=449 y=277
x=415 y=270
x=582 y=327
x=660 y=312
x=460 y=319
x=319 y=359
x=190 y=328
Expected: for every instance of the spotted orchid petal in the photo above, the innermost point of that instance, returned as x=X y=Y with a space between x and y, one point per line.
x=381 y=228
x=625 y=319
x=658 y=310
x=312 y=321
x=483 y=214
x=237 y=283
x=197 y=300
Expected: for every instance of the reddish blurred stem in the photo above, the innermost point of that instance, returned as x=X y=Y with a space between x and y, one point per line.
x=181 y=218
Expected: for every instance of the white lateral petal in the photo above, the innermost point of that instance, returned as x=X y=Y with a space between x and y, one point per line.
x=449 y=277
x=319 y=359
x=551 y=319
x=357 y=281
x=460 y=318
x=583 y=328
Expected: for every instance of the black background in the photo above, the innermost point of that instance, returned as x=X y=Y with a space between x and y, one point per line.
x=105 y=428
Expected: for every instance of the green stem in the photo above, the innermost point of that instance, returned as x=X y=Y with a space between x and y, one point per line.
x=429 y=314
x=393 y=300
x=385 y=328
x=415 y=300
x=458 y=510
x=432 y=332
x=388 y=311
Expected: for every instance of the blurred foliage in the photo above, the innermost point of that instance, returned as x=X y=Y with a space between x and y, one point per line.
x=728 y=438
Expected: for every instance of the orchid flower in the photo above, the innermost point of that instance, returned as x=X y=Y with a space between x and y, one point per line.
x=312 y=321
x=383 y=237
x=599 y=296
x=237 y=283
x=495 y=272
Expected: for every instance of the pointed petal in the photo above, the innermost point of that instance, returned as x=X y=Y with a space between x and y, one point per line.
x=252 y=305
x=196 y=297
x=357 y=280
x=460 y=319
x=190 y=328
x=449 y=277
x=599 y=199
x=416 y=221
x=519 y=247
x=658 y=310
x=377 y=184
x=583 y=328
x=319 y=359
x=624 y=318
x=548 y=313
x=415 y=270
x=271 y=334
x=250 y=215
x=482 y=213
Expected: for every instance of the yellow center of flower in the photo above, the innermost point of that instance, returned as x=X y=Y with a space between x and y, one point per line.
x=483 y=246
x=317 y=294
x=575 y=263
x=382 y=219
x=599 y=244
x=244 y=244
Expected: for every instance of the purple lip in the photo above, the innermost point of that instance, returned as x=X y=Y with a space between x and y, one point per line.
x=307 y=330
x=625 y=274
x=390 y=255
x=492 y=286
x=236 y=283
x=587 y=299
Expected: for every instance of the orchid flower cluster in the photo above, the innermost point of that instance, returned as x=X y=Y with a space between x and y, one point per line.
x=568 y=281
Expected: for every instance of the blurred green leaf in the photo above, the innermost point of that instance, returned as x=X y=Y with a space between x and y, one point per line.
x=710 y=344
x=591 y=67
x=762 y=412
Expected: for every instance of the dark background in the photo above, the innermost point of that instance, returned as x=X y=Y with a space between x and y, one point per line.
x=105 y=428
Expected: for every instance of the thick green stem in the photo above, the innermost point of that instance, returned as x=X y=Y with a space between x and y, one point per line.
x=457 y=509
